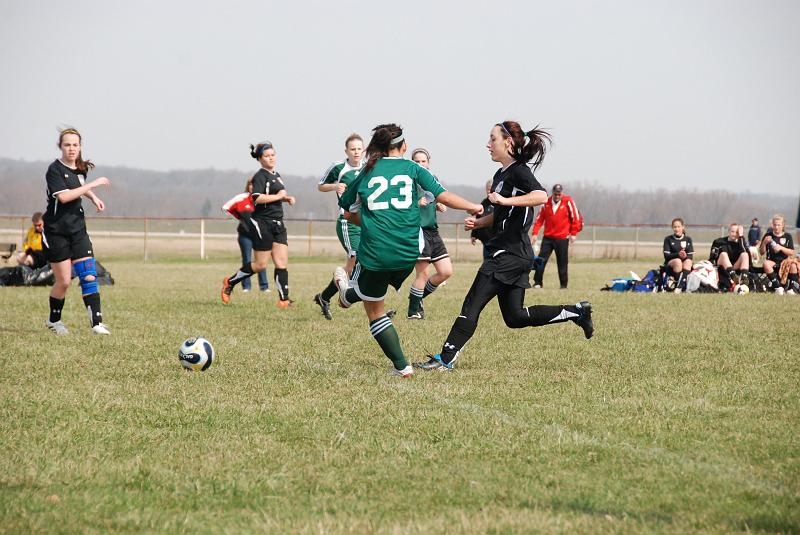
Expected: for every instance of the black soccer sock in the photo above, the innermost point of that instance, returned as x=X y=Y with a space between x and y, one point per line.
x=282 y=283
x=330 y=290
x=682 y=279
x=56 y=306
x=92 y=302
x=386 y=336
x=244 y=272
x=460 y=333
x=429 y=289
x=773 y=279
x=794 y=282
x=539 y=315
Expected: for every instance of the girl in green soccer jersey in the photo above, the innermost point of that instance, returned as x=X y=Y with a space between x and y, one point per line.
x=383 y=200
x=434 y=251
x=337 y=178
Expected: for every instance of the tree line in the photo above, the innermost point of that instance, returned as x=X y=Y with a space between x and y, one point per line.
x=201 y=193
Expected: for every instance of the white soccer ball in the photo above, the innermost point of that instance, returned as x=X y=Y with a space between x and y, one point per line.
x=196 y=354
x=741 y=289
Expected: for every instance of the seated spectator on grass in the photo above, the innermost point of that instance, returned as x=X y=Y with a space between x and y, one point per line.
x=732 y=257
x=777 y=246
x=678 y=254
x=31 y=254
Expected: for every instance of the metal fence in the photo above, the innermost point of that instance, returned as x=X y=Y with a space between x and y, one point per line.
x=164 y=238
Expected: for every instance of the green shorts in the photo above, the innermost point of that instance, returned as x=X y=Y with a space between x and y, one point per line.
x=372 y=285
x=349 y=236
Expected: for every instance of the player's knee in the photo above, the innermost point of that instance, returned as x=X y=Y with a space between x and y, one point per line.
x=260 y=266
x=516 y=320
x=87 y=276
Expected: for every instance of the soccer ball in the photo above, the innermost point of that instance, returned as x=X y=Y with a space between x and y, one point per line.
x=741 y=289
x=196 y=354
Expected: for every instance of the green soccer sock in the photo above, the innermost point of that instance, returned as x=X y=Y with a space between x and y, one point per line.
x=330 y=291
x=386 y=336
x=414 y=300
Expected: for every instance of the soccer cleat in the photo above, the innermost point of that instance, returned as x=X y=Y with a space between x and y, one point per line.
x=285 y=303
x=391 y=313
x=57 y=327
x=537 y=286
x=779 y=290
x=419 y=315
x=324 y=306
x=100 y=329
x=585 y=319
x=434 y=363
x=405 y=373
x=226 y=291
x=245 y=290
x=340 y=279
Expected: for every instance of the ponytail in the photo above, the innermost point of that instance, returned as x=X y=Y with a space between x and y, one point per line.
x=385 y=137
x=526 y=146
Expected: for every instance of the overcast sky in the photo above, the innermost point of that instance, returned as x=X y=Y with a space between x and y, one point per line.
x=636 y=94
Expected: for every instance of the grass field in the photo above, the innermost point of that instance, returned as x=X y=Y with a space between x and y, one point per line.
x=680 y=415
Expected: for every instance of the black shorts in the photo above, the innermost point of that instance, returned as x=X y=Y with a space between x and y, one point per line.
x=508 y=269
x=434 y=249
x=264 y=233
x=60 y=247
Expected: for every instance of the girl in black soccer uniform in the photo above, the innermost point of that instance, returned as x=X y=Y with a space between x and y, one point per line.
x=265 y=227
x=678 y=255
x=505 y=274
x=777 y=245
x=732 y=257
x=66 y=243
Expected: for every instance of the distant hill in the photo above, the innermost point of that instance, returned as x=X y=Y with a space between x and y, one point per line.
x=201 y=192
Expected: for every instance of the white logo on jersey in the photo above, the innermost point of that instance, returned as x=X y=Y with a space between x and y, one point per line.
x=783 y=241
x=683 y=244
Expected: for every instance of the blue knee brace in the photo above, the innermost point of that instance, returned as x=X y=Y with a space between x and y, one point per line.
x=84 y=269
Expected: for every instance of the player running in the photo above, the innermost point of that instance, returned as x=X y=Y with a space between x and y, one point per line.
x=66 y=243
x=265 y=227
x=383 y=200
x=337 y=178
x=515 y=191
x=434 y=252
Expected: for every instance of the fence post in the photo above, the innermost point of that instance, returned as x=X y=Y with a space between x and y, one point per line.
x=145 y=239
x=202 y=239
x=594 y=239
x=636 y=245
x=310 y=232
x=458 y=238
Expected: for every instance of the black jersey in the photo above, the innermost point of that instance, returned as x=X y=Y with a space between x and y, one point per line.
x=63 y=218
x=267 y=183
x=673 y=245
x=735 y=249
x=484 y=234
x=784 y=240
x=512 y=224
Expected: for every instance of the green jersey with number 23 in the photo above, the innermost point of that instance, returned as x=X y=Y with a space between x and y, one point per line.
x=388 y=200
